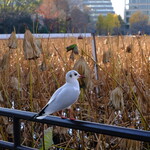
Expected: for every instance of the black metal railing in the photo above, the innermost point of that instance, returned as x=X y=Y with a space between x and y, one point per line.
x=16 y=115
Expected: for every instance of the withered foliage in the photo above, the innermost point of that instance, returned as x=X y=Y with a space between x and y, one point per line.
x=116 y=98
x=12 y=41
x=124 y=81
x=107 y=56
x=4 y=62
x=32 y=47
x=82 y=67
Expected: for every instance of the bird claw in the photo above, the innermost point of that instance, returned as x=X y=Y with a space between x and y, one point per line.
x=63 y=117
x=72 y=118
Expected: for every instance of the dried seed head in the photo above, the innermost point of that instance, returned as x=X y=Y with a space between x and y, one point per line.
x=4 y=61
x=12 y=41
x=15 y=84
x=9 y=129
x=129 y=48
x=82 y=67
x=32 y=46
x=43 y=67
x=80 y=37
x=116 y=98
x=72 y=56
x=107 y=56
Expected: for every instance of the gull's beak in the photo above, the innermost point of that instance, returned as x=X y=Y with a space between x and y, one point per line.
x=81 y=76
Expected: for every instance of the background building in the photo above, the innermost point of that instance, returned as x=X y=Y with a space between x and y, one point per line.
x=136 y=5
x=97 y=7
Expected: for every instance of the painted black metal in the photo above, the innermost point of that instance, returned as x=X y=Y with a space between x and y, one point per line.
x=4 y=144
x=122 y=132
x=9 y=145
x=16 y=131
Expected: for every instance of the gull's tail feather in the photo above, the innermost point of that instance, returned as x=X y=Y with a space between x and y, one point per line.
x=41 y=114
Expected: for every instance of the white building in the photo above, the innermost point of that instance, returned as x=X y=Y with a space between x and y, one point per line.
x=97 y=7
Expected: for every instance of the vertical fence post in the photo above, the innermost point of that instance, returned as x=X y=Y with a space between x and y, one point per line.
x=16 y=130
x=95 y=59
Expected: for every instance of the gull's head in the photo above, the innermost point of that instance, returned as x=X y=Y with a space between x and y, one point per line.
x=73 y=75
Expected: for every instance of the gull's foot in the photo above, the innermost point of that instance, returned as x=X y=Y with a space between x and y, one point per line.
x=63 y=117
x=72 y=118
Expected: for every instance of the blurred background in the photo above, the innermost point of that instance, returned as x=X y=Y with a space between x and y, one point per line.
x=76 y=16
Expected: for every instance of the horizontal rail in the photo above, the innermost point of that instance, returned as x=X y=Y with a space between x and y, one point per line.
x=9 y=145
x=117 y=131
x=46 y=36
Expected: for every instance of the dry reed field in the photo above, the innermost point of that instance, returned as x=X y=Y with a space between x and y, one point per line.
x=123 y=98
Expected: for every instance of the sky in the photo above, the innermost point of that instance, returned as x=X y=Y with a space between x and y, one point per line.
x=119 y=7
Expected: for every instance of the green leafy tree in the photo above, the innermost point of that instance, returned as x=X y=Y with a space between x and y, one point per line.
x=107 y=23
x=100 y=24
x=16 y=13
x=111 y=21
x=27 y=6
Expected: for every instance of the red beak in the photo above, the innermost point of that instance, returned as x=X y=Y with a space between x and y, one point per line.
x=81 y=76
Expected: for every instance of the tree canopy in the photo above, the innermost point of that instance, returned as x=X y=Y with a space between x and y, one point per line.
x=106 y=24
x=138 y=17
x=16 y=13
x=139 y=22
x=19 y=5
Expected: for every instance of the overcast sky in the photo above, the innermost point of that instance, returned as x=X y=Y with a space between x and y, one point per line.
x=119 y=7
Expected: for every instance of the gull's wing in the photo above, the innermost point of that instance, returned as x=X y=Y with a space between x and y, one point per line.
x=61 y=99
x=66 y=97
x=55 y=94
x=42 y=112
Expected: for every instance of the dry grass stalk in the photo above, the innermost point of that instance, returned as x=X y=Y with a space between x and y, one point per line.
x=107 y=56
x=105 y=41
x=12 y=41
x=128 y=144
x=82 y=67
x=1 y=97
x=116 y=98
x=30 y=75
x=72 y=56
x=51 y=79
x=32 y=46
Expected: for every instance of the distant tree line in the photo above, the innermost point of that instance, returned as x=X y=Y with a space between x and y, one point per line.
x=16 y=13
x=45 y=16
x=139 y=22
x=56 y=16
x=113 y=24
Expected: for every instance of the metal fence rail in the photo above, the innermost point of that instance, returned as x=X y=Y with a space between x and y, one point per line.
x=121 y=132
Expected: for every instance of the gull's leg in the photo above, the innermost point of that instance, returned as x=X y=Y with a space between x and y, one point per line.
x=71 y=116
x=62 y=116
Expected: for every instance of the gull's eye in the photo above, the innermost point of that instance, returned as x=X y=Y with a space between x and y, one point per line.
x=75 y=74
x=70 y=75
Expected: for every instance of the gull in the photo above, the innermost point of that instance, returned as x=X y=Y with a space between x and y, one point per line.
x=63 y=97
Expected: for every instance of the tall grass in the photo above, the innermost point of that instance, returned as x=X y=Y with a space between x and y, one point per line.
x=128 y=70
